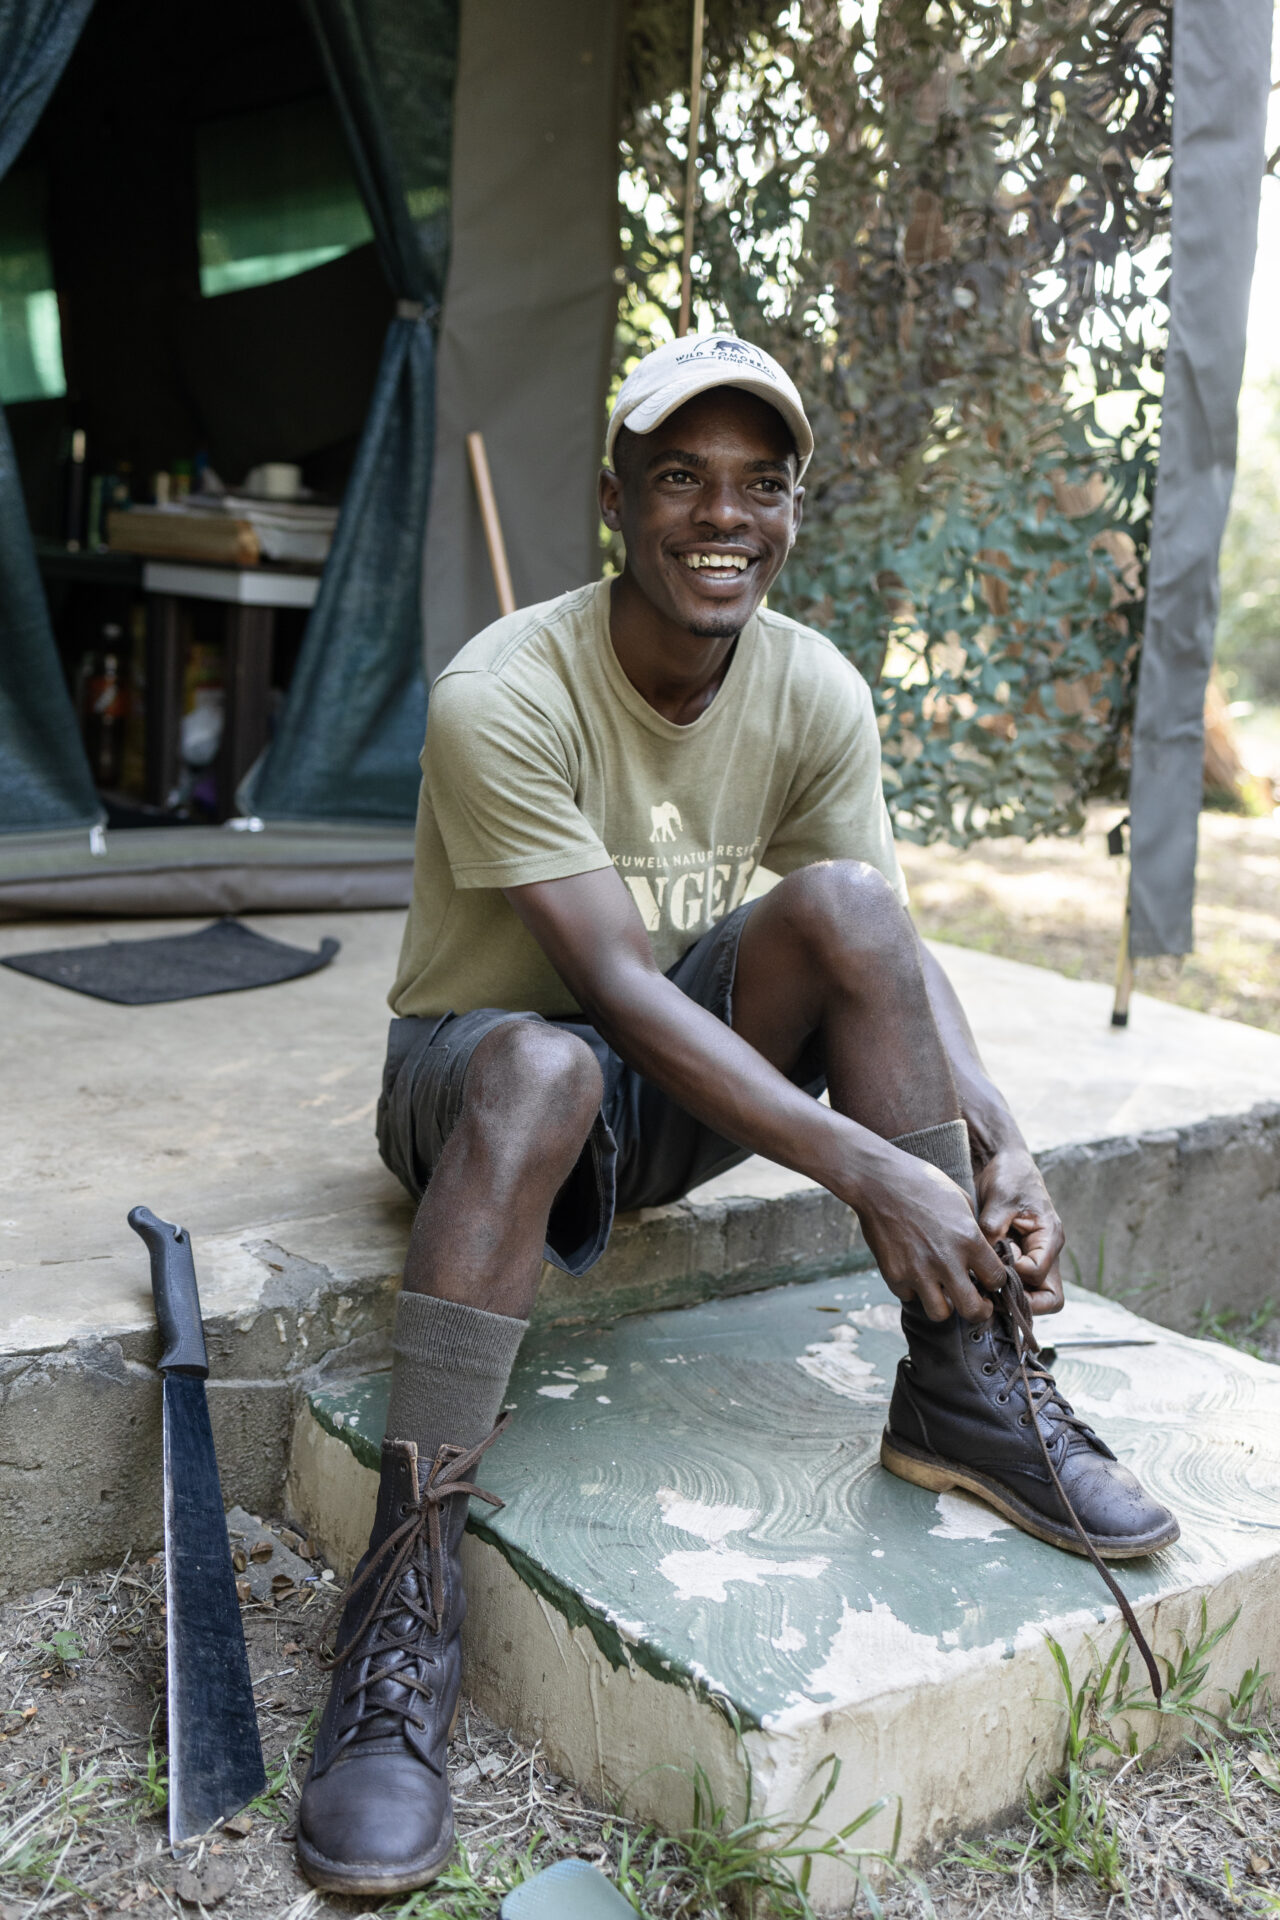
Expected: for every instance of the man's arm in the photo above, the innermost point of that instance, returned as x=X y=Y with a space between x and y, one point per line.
x=917 y=1223
x=1012 y=1196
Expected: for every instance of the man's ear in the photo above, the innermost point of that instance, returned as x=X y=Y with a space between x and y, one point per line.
x=610 y=499
x=797 y=512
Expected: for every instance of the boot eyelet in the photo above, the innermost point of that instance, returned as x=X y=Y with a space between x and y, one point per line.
x=1024 y=1419
x=405 y=1509
x=1002 y=1399
x=976 y=1335
x=988 y=1366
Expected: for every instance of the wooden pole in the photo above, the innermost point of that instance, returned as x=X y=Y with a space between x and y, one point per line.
x=492 y=525
x=691 y=167
x=1124 y=975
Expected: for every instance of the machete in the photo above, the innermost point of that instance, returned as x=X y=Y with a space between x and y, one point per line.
x=215 y=1756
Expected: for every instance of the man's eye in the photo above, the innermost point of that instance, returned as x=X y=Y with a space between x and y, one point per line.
x=678 y=473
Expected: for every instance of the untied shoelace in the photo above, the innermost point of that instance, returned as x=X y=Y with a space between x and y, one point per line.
x=1014 y=1311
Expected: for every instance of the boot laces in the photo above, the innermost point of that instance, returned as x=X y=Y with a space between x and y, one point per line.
x=1013 y=1331
x=1014 y=1322
x=415 y=1546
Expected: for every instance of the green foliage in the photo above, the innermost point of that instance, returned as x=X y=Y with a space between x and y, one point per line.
x=716 y=1867
x=152 y=1781
x=1073 y=1830
x=64 y=1648
x=1234 y=1327
x=281 y=1775
x=931 y=212
x=35 y=1842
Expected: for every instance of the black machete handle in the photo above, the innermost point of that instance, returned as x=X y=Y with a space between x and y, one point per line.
x=173 y=1282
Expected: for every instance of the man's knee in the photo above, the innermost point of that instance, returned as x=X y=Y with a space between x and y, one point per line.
x=845 y=908
x=534 y=1088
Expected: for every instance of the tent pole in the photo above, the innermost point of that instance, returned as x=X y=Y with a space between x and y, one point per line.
x=492 y=525
x=691 y=167
x=1124 y=974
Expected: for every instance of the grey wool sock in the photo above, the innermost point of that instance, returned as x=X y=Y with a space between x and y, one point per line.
x=450 y=1372
x=945 y=1147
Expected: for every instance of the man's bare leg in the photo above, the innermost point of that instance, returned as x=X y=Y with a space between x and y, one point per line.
x=831 y=950
x=530 y=1100
x=375 y=1815
x=532 y=1094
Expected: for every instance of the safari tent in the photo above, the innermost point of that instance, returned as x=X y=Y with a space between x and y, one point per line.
x=452 y=260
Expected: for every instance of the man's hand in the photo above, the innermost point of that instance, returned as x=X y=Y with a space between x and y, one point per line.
x=925 y=1240
x=1014 y=1204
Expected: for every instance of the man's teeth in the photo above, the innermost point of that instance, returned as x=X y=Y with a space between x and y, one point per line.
x=717 y=562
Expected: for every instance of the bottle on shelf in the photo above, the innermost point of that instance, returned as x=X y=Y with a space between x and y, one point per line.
x=75 y=501
x=107 y=708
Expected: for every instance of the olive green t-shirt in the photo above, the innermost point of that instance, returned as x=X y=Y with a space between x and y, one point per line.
x=542 y=760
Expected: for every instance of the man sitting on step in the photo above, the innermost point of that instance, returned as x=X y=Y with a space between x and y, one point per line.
x=593 y=1014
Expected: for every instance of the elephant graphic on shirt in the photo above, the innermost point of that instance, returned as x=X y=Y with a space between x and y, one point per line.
x=666 y=819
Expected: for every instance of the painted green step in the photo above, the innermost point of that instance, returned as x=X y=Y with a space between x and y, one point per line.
x=700 y=1489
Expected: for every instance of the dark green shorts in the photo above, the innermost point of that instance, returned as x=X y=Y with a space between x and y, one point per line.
x=643 y=1151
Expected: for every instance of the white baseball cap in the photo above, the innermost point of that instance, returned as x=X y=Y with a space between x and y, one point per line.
x=674 y=373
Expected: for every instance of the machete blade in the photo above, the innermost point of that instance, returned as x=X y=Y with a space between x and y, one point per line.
x=215 y=1757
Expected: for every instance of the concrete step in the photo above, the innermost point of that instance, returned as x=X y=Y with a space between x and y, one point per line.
x=697 y=1528
x=248 y=1117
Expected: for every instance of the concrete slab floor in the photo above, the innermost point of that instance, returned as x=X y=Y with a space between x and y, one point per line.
x=249 y=1118
x=249 y=1111
x=696 y=1517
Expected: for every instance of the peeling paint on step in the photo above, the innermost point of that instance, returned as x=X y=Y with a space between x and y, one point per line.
x=699 y=1517
x=961 y=1517
x=867 y=1644
x=836 y=1363
x=884 y=1317
x=704 y=1574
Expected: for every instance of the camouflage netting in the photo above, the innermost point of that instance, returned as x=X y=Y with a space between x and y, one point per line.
x=951 y=223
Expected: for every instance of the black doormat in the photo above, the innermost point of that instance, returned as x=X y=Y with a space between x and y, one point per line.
x=225 y=957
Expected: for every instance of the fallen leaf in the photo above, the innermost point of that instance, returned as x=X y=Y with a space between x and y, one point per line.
x=1258 y=1864
x=244 y=1591
x=239 y=1559
x=239 y=1825
x=205 y=1886
x=262 y=1550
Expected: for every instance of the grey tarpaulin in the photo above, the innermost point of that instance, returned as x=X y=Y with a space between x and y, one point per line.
x=530 y=306
x=44 y=776
x=1221 y=72
x=347 y=747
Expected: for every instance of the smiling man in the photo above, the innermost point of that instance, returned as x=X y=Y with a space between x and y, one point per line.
x=592 y=1015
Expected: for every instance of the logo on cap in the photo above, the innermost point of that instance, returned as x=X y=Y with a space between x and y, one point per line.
x=739 y=352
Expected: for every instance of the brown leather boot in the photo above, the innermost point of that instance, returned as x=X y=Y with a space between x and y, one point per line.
x=376 y=1815
x=961 y=1416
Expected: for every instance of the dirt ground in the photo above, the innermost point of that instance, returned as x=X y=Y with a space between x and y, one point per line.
x=1059 y=903
x=82 y=1768
x=83 y=1789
